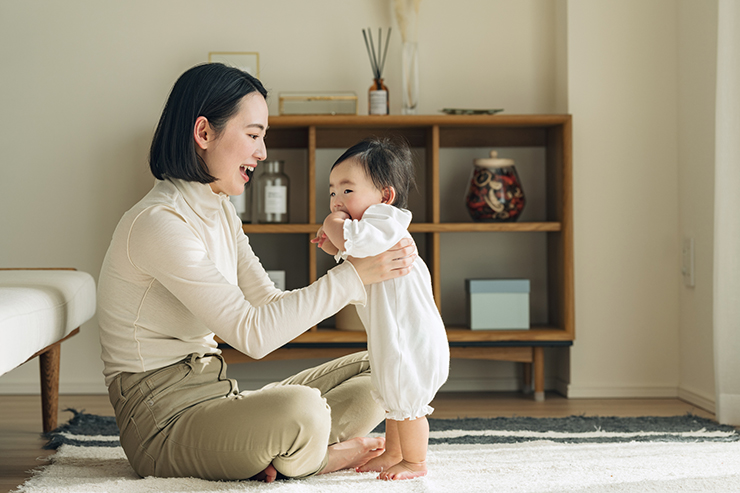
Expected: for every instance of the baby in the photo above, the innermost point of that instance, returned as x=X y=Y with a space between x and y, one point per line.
x=407 y=342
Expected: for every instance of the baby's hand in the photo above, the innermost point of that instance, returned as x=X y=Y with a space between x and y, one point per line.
x=320 y=237
x=323 y=242
x=339 y=215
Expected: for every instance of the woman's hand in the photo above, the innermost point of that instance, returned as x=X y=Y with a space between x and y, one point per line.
x=392 y=263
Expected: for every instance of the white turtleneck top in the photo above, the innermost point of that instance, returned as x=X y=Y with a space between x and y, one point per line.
x=180 y=270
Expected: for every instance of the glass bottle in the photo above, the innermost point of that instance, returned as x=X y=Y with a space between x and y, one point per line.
x=378 y=94
x=243 y=204
x=273 y=194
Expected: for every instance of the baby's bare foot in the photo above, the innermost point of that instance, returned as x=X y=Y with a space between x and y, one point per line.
x=353 y=453
x=404 y=470
x=382 y=463
x=268 y=475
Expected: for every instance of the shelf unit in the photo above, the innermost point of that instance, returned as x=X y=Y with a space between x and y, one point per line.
x=433 y=133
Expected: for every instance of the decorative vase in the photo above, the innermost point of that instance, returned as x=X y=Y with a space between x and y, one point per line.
x=410 y=77
x=495 y=193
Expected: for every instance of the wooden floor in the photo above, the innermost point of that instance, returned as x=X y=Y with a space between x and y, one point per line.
x=20 y=418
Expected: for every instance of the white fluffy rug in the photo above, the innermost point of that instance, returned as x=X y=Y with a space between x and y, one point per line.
x=572 y=454
x=538 y=466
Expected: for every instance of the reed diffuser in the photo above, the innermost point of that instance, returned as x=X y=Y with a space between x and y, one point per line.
x=378 y=93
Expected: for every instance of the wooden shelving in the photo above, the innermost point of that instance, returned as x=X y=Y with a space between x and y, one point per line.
x=433 y=133
x=418 y=227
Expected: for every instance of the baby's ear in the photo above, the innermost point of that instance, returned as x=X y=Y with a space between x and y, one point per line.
x=389 y=195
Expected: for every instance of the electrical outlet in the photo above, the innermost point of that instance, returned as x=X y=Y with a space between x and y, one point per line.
x=687 y=265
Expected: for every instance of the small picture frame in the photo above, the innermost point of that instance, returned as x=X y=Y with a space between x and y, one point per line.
x=248 y=61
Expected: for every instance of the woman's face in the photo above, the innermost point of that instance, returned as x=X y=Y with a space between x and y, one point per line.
x=232 y=154
x=351 y=190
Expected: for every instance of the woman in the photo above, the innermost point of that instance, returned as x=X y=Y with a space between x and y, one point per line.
x=180 y=270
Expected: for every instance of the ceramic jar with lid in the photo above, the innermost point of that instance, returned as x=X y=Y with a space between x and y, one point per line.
x=495 y=193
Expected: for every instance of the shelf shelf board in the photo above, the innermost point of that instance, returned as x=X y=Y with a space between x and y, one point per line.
x=418 y=227
x=369 y=121
x=280 y=228
x=478 y=227
x=454 y=335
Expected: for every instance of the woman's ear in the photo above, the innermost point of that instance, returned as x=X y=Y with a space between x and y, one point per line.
x=389 y=195
x=202 y=132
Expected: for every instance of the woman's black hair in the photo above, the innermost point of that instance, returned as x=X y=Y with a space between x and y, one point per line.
x=388 y=162
x=212 y=90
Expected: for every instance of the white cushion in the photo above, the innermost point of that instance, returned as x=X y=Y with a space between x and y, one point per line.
x=38 y=308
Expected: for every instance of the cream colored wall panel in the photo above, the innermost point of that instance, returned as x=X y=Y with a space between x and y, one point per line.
x=622 y=65
x=697 y=63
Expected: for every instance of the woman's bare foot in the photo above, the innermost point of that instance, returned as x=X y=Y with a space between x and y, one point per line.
x=381 y=463
x=268 y=475
x=353 y=453
x=404 y=470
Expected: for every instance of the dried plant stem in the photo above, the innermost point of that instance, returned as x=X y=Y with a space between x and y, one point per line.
x=405 y=18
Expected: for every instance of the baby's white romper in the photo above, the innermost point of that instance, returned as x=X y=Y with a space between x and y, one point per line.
x=407 y=343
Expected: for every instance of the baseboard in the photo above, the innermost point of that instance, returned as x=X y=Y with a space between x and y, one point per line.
x=561 y=386
x=481 y=385
x=697 y=400
x=452 y=385
x=605 y=392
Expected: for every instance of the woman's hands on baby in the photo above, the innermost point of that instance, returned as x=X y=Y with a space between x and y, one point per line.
x=394 y=262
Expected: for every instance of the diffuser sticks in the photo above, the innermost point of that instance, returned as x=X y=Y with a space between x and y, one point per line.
x=378 y=94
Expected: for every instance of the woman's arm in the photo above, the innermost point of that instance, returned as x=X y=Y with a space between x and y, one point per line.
x=163 y=246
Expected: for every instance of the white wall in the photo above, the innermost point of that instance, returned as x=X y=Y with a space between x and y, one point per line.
x=622 y=91
x=83 y=83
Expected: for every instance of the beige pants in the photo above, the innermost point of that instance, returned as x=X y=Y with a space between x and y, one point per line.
x=189 y=420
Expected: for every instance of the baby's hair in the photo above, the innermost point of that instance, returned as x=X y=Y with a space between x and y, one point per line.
x=388 y=162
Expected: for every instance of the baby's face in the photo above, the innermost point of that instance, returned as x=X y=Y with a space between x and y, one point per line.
x=351 y=190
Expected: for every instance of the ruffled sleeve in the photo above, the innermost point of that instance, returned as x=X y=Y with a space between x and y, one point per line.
x=381 y=227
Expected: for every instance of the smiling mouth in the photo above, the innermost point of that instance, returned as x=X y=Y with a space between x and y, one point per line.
x=247 y=172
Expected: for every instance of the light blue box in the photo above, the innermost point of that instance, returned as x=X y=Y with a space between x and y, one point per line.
x=498 y=304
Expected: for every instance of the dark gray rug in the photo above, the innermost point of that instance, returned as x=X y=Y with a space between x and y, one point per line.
x=89 y=430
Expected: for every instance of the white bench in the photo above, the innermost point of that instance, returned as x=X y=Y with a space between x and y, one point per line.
x=40 y=308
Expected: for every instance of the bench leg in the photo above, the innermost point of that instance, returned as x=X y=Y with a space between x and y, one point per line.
x=49 y=365
x=538 y=357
